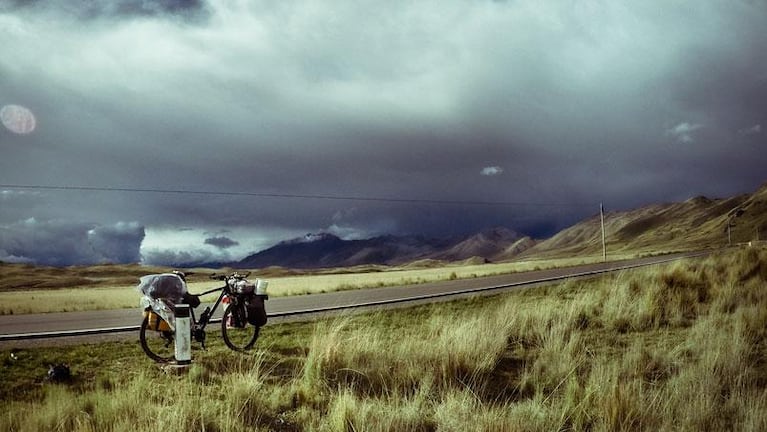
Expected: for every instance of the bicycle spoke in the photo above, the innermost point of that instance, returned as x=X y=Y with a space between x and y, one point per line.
x=158 y=345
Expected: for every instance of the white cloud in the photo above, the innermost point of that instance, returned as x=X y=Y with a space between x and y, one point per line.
x=753 y=130
x=344 y=214
x=683 y=132
x=347 y=232
x=491 y=171
x=191 y=246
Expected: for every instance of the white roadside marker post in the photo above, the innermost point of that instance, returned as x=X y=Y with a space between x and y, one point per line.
x=183 y=336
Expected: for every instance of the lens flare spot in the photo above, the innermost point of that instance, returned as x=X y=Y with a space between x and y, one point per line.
x=18 y=119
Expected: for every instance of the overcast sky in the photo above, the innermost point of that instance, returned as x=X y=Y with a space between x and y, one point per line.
x=547 y=107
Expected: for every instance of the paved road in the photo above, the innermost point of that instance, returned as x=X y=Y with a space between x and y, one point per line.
x=289 y=306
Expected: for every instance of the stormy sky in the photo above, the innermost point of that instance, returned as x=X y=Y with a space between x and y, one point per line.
x=362 y=118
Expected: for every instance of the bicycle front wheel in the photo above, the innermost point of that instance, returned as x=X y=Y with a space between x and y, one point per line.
x=158 y=345
x=238 y=334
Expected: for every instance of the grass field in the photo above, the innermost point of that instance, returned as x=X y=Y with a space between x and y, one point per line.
x=680 y=347
x=113 y=287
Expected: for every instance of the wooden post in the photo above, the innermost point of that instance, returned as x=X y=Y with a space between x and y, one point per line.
x=604 y=245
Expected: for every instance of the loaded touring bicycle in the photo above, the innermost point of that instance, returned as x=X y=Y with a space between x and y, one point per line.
x=244 y=312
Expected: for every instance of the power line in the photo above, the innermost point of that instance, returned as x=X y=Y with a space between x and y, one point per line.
x=291 y=196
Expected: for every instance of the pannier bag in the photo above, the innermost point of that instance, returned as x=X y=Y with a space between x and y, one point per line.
x=156 y=322
x=256 y=311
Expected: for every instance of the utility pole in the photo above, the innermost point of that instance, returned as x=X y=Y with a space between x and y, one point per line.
x=729 y=236
x=604 y=245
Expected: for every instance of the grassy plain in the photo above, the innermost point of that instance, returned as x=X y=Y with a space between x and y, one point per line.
x=680 y=347
x=113 y=287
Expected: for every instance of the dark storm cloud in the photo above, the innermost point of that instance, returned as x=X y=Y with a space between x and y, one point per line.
x=119 y=243
x=221 y=242
x=561 y=103
x=183 y=258
x=68 y=243
x=108 y=8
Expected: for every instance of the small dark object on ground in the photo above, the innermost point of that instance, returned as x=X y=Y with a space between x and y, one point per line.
x=59 y=373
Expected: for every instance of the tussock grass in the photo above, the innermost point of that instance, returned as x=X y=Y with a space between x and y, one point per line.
x=674 y=348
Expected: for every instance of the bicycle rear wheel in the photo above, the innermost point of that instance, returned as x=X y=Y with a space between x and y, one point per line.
x=158 y=345
x=238 y=334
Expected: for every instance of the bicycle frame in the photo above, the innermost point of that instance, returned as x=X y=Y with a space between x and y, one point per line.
x=198 y=327
x=209 y=311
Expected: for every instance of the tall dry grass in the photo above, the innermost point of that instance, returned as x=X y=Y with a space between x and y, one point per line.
x=677 y=348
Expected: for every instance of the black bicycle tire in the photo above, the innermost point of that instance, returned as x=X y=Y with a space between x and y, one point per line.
x=251 y=340
x=145 y=346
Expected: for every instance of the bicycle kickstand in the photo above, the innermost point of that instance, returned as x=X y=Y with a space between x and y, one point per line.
x=199 y=336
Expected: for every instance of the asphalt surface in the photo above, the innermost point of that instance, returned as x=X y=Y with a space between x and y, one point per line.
x=126 y=321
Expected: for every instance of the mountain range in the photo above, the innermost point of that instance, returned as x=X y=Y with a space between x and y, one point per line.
x=696 y=223
x=327 y=250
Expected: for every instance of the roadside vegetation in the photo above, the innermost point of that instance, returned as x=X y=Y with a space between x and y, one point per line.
x=680 y=347
x=27 y=289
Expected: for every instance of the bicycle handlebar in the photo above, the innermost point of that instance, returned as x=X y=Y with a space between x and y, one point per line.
x=234 y=275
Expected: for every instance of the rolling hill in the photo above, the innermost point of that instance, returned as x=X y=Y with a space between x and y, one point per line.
x=696 y=223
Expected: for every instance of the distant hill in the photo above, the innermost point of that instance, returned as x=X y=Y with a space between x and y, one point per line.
x=326 y=250
x=495 y=244
x=699 y=222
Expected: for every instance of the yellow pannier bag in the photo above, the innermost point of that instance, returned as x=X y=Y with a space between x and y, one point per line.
x=156 y=322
